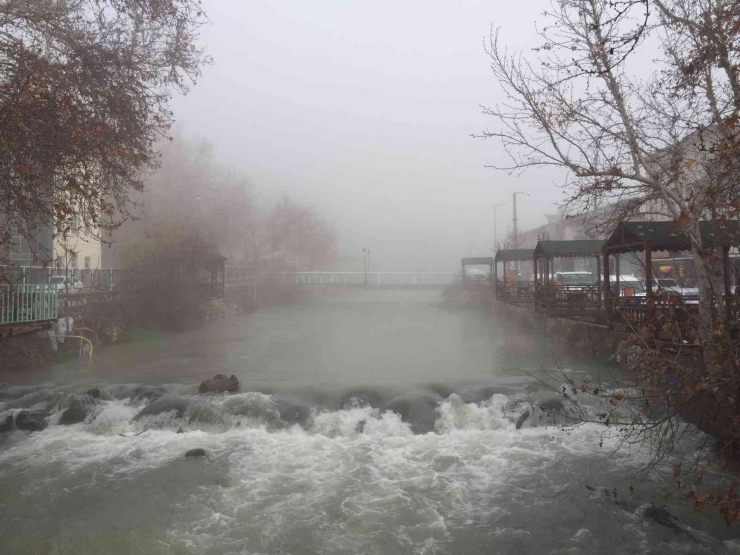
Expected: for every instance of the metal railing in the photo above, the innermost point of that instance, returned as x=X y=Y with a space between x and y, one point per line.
x=358 y=278
x=569 y=297
x=23 y=304
x=635 y=312
x=515 y=292
x=81 y=280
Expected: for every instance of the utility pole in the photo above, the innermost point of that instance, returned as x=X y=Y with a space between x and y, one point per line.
x=516 y=230
x=516 y=233
x=495 y=226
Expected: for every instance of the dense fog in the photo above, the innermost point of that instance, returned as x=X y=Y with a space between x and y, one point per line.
x=365 y=112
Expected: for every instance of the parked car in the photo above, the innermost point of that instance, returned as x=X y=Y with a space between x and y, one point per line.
x=669 y=287
x=574 y=278
x=629 y=286
x=66 y=284
x=475 y=274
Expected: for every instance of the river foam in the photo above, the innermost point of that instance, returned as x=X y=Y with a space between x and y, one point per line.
x=285 y=476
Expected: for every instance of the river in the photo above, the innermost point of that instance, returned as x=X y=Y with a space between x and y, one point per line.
x=368 y=421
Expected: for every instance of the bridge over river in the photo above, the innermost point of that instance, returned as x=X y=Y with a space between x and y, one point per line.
x=383 y=279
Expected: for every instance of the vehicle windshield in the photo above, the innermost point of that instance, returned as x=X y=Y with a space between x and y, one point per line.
x=667 y=282
x=636 y=285
x=56 y=279
x=576 y=279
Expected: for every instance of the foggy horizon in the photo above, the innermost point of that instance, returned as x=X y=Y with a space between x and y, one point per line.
x=366 y=113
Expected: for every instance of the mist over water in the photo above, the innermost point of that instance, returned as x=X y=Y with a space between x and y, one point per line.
x=368 y=421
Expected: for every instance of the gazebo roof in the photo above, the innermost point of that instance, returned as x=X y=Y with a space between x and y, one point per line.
x=578 y=248
x=670 y=236
x=512 y=255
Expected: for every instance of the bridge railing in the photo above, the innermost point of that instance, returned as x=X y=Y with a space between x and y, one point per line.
x=24 y=304
x=358 y=278
x=238 y=274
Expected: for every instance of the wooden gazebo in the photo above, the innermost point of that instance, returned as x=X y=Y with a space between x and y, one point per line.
x=514 y=292
x=648 y=237
x=557 y=298
x=477 y=261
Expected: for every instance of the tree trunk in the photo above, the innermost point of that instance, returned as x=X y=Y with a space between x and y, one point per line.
x=705 y=283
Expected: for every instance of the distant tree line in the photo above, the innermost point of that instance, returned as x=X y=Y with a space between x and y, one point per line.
x=192 y=201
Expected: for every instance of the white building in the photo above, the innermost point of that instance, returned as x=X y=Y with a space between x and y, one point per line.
x=80 y=249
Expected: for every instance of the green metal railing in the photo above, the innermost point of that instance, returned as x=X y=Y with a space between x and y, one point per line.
x=23 y=304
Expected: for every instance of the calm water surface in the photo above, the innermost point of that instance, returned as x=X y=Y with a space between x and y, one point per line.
x=368 y=421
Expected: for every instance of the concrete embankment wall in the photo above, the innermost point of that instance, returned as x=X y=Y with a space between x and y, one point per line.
x=588 y=338
x=113 y=317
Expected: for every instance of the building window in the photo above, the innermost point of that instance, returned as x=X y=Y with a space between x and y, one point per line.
x=73 y=260
x=88 y=262
x=20 y=249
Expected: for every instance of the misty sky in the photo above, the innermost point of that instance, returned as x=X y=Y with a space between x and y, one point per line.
x=365 y=110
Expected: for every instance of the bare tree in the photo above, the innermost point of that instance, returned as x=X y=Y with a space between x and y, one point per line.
x=85 y=89
x=616 y=139
x=663 y=147
x=510 y=241
x=298 y=232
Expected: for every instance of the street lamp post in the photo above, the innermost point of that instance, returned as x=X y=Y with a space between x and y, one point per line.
x=366 y=255
x=516 y=231
x=495 y=226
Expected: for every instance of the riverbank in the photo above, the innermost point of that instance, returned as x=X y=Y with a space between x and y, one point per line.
x=588 y=338
x=115 y=319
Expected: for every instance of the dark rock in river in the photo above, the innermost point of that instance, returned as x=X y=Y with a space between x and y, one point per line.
x=31 y=421
x=95 y=393
x=522 y=419
x=79 y=407
x=195 y=453
x=292 y=412
x=361 y=397
x=7 y=424
x=73 y=415
x=148 y=393
x=419 y=411
x=552 y=405
x=661 y=516
x=220 y=384
x=176 y=403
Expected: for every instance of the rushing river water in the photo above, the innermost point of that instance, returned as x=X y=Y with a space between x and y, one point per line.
x=373 y=422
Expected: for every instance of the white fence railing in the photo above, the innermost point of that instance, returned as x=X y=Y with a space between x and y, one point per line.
x=358 y=278
x=77 y=280
x=238 y=274
x=23 y=304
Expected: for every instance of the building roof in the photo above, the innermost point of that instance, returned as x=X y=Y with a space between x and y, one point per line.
x=580 y=248
x=511 y=255
x=487 y=260
x=670 y=236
